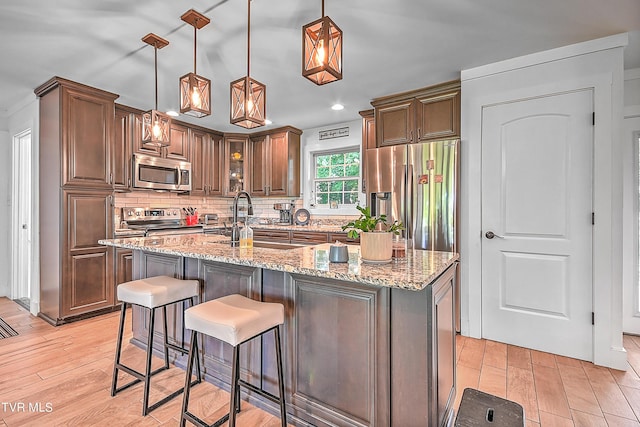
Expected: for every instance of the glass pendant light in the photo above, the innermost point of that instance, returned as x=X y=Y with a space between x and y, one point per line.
x=248 y=96
x=195 y=90
x=322 y=50
x=156 y=126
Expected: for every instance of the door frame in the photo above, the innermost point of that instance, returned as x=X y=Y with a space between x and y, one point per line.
x=630 y=260
x=16 y=172
x=597 y=64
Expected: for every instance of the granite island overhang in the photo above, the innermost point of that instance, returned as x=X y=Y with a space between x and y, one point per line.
x=364 y=344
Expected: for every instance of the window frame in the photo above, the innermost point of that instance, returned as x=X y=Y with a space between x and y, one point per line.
x=313 y=166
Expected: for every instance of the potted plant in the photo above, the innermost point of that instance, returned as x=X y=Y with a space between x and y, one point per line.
x=375 y=235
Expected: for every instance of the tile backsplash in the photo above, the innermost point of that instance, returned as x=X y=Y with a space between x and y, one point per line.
x=262 y=207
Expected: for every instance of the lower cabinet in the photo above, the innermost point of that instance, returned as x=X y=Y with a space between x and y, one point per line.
x=76 y=273
x=123 y=268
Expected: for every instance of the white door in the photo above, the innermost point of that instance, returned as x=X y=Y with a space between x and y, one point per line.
x=537 y=157
x=22 y=199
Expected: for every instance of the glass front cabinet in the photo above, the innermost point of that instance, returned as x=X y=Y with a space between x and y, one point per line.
x=236 y=163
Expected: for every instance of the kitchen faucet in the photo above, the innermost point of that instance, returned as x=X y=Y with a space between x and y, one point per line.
x=235 y=231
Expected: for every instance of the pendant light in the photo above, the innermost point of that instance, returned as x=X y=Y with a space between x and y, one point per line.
x=322 y=51
x=156 y=126
x=248 y=96
x=195 y=90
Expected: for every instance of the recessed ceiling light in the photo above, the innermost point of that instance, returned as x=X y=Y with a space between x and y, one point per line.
x=172 y=113
x=337 y=107
x=267 y=122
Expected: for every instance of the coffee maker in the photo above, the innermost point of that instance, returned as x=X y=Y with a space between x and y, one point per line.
x=286 y=212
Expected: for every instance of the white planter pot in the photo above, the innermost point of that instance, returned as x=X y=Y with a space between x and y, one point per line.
x=375 y=245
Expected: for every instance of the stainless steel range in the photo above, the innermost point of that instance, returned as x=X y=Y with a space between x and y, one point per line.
x=158 y=221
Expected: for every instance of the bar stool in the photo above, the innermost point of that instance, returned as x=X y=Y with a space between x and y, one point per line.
x=235 y=320
x=152 y=293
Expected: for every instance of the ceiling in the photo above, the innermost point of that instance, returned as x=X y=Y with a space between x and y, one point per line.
x=389 y=47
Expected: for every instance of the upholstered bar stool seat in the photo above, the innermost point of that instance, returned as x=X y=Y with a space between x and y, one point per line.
x=152 y=293
x=234 y=319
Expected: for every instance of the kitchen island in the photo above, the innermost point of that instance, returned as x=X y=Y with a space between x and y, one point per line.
x=364 y=345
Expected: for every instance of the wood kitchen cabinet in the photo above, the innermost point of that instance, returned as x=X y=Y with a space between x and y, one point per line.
x=422 y=115
x=75 y=200
x=179 y=146
x=275 y=163
x=368 y=142
x=123 y=268
x=127 y=126
x=80 y=120
x=236 y=163
x=206 y=156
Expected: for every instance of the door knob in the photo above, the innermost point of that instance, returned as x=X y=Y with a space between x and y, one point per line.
x=491 y=235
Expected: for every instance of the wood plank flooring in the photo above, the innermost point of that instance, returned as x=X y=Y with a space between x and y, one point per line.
x=61 y=376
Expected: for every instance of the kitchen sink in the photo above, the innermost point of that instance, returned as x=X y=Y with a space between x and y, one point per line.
x=281 y=246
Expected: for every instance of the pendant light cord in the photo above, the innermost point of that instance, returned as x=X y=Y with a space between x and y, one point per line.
x=195 y=35
x=155 y=56
x=323 y=8
x=248 y=37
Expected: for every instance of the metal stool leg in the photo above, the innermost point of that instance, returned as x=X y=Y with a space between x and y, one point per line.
x=235 y=390
x=114 y=381
x=147 y=377
x=166 y=337
x=283 y=409
x=187 y=384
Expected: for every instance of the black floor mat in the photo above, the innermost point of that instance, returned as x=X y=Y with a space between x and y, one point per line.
x=6 y=331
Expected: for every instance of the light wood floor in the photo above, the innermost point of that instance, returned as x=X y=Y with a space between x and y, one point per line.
x=64 y=373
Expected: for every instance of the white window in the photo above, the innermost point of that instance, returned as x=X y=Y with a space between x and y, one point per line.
x=336 y=176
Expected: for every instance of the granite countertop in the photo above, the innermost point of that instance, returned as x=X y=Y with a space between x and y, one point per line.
x=417 y=271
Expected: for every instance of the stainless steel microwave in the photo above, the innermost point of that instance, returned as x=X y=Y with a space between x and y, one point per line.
x=156 y=173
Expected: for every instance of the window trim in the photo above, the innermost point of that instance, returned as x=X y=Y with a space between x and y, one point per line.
x=313 y=166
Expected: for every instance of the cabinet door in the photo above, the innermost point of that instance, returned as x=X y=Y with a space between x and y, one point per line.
x=279 y=165
x=259 y=167
x=445 y=345
x=199 y=162
x=438 y=116
x=123 y=267
x=214 y=166
x=122 y=150
x=395 y=123
x=226 y=279
x=236 y=167
x=87 y=276
x=179 y=148
x=138 y=146
x=87 y=136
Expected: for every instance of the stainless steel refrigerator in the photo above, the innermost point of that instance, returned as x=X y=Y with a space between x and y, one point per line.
x=417 y=184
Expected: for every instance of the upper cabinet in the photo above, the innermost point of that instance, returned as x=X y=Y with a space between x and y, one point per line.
x=125 y=131
x=422 y=115
x=79 y=121
x=206 y=157
x=275 y=163
x=236 y=163
x=179 y=147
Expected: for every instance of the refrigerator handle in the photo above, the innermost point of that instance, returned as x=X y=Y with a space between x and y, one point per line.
x=408 y=225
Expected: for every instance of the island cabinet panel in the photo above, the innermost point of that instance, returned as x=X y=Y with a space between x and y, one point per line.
x=219 y=280
x=423 y=375
x=123 y=267
x=148 y=265
x=338 y=345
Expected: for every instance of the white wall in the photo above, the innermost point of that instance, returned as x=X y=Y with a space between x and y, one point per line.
x=597 y=64
x=311 y=143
